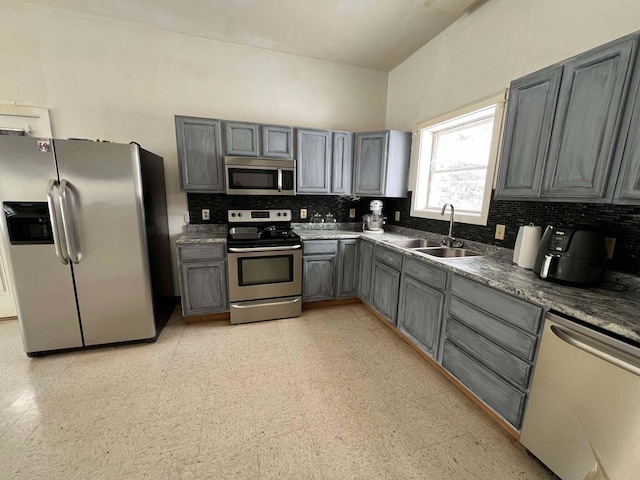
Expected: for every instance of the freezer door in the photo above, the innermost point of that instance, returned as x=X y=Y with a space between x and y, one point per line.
x=104 y=222
x=43 y=285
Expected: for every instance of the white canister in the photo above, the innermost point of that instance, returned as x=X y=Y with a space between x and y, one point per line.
x=526 y=249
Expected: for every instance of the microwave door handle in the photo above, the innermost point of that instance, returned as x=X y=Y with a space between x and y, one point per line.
x=67 y=223
x=279 y=180
x=53 y=214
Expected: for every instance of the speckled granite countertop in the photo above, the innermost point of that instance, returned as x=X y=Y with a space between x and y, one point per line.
x=617 y=312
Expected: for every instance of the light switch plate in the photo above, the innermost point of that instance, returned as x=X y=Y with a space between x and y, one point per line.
x=303 y=213
x=352 y=213
x=205 y=214
x=500 y=232
x=609 y=244
x=397 y=217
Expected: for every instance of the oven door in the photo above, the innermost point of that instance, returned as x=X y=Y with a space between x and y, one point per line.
x=264 y=272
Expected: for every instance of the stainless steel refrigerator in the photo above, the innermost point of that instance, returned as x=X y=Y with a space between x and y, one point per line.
x=85 y=229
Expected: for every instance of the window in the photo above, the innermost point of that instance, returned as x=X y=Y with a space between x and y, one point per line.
x=456 y=162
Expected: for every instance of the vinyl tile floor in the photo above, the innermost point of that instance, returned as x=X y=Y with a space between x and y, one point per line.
x=333 y=394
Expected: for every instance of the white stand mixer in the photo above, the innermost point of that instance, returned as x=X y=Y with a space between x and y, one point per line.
x=372 y=222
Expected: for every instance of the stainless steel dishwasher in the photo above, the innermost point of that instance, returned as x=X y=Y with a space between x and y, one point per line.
x=583 y=415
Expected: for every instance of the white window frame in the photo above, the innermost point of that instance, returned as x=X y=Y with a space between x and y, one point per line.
x=420 y=178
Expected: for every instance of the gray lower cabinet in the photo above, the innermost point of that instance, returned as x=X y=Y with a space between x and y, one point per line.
x=329 y=269
x=381 y=163
x=313 y=161
x=365 y=265
x=592 y=97
x=277 y=141
x=241 y=139
x=489 y=342
x=203 y=279
x=385 y=282
x=420 y=305
x=342 y=163
x=318 y=277
x=347 y=275
x=525 y=144
x=200 y=155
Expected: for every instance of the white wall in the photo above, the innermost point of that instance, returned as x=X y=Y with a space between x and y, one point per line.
x=502 y=40
x=118 y=82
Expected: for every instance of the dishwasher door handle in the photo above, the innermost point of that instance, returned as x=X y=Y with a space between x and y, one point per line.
x=598 y=349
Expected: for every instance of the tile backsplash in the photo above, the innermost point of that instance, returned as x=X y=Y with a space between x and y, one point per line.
x=618 y=221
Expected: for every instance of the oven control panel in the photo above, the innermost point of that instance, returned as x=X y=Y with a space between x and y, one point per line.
x=244 y=216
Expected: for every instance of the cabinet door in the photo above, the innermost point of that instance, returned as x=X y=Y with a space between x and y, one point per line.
x=203 y=287
x=200 y=158
x=342 y=163
x=371 y=163
x=525 y=145
x=241 y=139
x=277 y=142
x=420 y=313
x=365 y=263
x=347 y=268
x=318 y=276
x=313 y=156
x=384 y=291
x=591 y=100
x=628 y=186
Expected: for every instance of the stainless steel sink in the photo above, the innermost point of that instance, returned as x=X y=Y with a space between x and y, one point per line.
x=448 y=252
x=415 y=243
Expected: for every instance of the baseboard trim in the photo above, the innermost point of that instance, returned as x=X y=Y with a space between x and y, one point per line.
x=211 y=317
x=509 y=429
x=330 y=303
x=2 y=319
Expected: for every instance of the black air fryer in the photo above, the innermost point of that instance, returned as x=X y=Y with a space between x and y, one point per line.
x=571 y=255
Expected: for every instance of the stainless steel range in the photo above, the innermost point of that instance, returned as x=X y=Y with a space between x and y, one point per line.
x=265 y=266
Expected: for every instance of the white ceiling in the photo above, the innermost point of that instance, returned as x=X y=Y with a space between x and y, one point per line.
x=368 y=33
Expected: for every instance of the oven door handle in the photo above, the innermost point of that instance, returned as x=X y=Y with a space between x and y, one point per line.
x=264 y=249
x=267 y=304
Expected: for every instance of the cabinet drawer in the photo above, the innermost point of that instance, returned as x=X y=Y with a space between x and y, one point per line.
x=202 y=253
x=320 y=247
x=516 y=341
x=389 y=257
x=494 y=357
x=434 y=277
x=506 y=400
x=510 y=309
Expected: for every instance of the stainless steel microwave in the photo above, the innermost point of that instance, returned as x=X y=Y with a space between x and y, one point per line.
x=260 y=176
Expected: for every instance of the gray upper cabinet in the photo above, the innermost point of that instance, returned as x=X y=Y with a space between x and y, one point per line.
x=347 y=281
x=582 y=161
x=313 y=156
x=628 y=186
x=200 y=157
x=277 y=141
x=241 y=139
x=342 y=163
x=525 y=145
x=381 y=163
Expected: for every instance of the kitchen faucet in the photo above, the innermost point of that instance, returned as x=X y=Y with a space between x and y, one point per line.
x=449 y=241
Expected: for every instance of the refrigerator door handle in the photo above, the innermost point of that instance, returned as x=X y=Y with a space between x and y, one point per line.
x=67 y=224
x=53 y=214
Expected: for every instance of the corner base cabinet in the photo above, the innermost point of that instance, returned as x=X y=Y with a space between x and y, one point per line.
x=203 y=279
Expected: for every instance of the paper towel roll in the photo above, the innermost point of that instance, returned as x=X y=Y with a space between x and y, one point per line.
x=530 y=239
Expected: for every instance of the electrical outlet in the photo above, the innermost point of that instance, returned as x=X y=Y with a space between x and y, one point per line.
x=397 y=217
x=609 y=244
x=303 y=213
x=186 y=217
x=352 y=213
x=205 y=214
x=500 y=232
